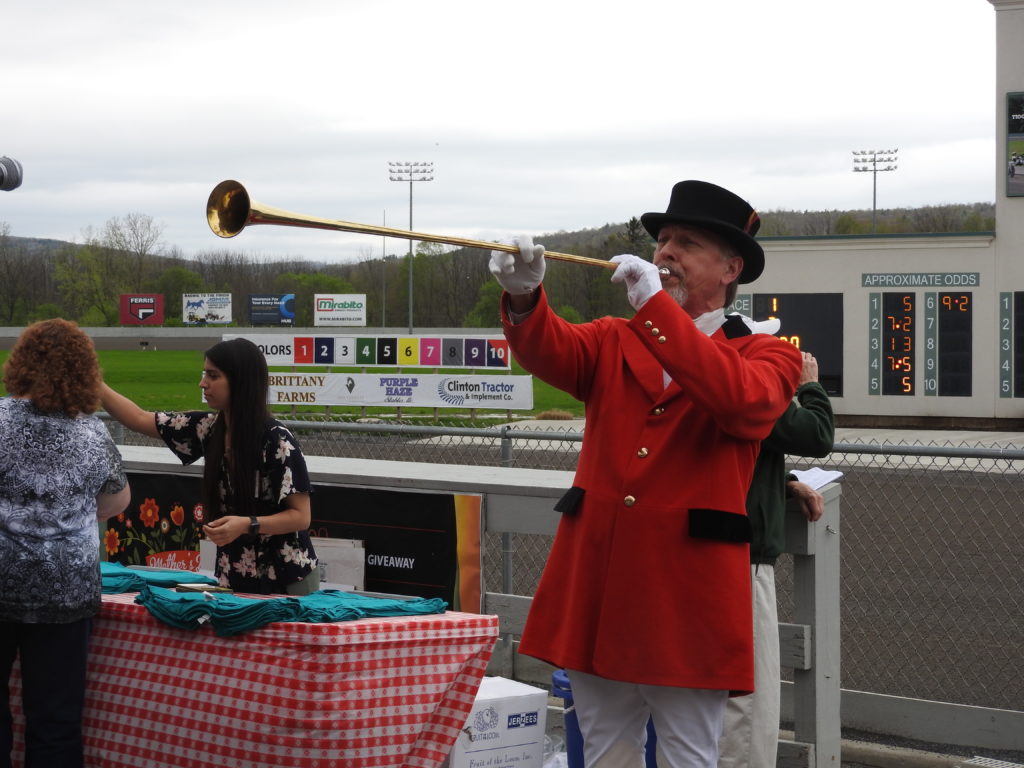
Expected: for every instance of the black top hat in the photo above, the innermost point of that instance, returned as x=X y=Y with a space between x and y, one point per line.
x=708 y=206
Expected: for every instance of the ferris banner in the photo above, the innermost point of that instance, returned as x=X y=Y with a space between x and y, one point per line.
x=142 y=309
x=339 y=309
x=206 y=308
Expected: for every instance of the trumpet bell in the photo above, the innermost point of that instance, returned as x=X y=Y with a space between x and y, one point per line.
x=228 y=209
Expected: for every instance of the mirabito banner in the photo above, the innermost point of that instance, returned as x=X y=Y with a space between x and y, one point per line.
x=398 y=389
x=339 y=309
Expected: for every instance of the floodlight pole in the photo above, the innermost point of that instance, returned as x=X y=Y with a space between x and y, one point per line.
x=411 y=172
x=867 y=161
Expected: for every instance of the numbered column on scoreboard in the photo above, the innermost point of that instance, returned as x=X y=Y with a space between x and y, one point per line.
x=945 y=343
x=891 y=343
x=948 y=344
x=1011 y=344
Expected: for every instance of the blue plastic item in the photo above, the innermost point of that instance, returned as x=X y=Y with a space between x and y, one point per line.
x=561 y=689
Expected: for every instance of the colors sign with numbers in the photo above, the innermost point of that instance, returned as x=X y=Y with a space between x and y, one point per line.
x=404 y=351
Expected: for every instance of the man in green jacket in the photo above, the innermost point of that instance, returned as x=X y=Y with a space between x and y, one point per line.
x=750 y=734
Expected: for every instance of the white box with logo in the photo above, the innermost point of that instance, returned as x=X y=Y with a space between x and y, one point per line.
x=505 y=728
x=342 y=563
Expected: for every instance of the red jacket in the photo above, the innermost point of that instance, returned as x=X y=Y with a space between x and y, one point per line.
x=648 y=579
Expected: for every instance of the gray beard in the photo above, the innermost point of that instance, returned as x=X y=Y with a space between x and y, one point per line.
x=678 y=293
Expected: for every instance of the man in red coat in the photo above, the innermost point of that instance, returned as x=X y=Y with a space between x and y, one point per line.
x=645 y=598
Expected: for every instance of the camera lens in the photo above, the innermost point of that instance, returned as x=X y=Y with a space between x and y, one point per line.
x=10 y=174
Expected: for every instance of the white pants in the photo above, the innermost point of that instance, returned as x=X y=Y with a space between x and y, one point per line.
x=613 y=721
x=750 y=736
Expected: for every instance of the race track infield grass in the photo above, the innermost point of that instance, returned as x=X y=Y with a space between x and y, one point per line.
x=168 y=380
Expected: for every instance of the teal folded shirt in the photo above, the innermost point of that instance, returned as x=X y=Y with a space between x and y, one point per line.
x=230 y=614
x=117 y=578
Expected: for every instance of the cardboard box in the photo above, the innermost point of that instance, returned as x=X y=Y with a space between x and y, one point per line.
x=505 y=728
x=342 y=563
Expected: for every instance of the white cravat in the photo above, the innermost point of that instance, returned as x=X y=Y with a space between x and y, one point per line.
x=711 y=321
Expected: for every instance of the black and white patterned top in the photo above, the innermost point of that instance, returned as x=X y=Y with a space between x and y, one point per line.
x=257 y=564
x=51 y=469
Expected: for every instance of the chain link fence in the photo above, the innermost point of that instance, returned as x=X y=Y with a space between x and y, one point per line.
x=932 y=586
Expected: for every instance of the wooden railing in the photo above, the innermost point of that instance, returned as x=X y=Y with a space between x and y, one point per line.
x=521 y=501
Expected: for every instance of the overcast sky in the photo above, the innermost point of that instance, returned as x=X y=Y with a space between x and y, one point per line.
x=539 y=116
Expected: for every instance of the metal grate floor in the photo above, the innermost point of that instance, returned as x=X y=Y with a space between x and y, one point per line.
x=988 y=762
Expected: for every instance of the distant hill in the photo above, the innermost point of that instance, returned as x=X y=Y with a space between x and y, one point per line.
x=40 y=245
x=932 y=219
x=959 y=217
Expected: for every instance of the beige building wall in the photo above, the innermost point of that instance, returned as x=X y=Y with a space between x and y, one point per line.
x=949 y=280
x=855 y=271
x=1009 y=244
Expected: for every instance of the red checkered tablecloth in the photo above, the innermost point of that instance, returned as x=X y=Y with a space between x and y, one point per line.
x=367 y=693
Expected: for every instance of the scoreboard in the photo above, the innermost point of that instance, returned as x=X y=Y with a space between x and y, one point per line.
x=918 y=343
x=813 y=322
x=921 y=330
x=935 y=328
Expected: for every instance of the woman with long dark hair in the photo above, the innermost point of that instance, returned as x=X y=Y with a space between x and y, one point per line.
x=59 y=473
x=255 y=484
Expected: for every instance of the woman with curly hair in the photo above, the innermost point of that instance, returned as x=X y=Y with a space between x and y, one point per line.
x=255 y=484
x=59 y=473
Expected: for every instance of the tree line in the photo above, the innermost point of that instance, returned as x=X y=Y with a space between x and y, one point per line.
x=452 y=287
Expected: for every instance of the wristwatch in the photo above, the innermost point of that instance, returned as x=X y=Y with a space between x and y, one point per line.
x=254 y=525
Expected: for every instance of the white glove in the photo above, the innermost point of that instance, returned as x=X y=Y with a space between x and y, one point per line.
x=519 y=273
x=641 y=277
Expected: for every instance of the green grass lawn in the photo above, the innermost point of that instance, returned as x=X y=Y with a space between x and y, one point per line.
x=169 y=380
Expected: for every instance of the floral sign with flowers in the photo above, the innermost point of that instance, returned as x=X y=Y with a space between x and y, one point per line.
x=162 y=525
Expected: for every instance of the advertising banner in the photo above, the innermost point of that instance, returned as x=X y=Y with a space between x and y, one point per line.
x=339 y=309
x=272 y=309
x=1015 y=144
x=160 y=527
x=489 y=352
x=420 y=544
x=142 y=309
x=206 y=308
x=398 y=389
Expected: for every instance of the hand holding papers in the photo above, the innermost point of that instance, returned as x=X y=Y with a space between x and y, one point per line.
x=816 y=477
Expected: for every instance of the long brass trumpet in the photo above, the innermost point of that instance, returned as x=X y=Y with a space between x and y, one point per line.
x=229 y=210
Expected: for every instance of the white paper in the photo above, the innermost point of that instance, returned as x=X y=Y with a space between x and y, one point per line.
x=816 y=477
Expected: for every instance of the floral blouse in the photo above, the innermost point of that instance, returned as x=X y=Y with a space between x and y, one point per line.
x=52 y=467
x=258 y=563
